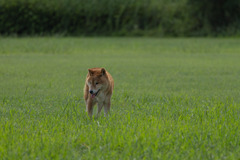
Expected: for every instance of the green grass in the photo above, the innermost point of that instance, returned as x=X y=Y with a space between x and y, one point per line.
x=173 y=98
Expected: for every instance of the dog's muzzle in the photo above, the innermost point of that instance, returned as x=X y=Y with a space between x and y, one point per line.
x=93 y=95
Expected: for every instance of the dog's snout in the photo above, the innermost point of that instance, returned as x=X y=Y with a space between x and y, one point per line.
x=91 y=92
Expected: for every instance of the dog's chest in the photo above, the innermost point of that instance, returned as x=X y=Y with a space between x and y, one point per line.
x=100 y=98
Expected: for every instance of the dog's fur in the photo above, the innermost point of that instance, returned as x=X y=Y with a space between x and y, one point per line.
x=98 y=89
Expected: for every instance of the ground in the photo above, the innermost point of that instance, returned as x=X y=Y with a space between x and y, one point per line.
x=173 y=98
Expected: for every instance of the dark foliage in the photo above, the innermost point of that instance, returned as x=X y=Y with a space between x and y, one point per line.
x=120 y=17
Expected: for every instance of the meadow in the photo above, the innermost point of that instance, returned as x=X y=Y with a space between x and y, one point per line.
x=174 y=98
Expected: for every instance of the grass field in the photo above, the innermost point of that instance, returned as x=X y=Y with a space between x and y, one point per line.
x=173 y=99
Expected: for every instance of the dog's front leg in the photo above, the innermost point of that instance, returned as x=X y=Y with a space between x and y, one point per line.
x=89 y=108
x=107 y=107
x=100 y=105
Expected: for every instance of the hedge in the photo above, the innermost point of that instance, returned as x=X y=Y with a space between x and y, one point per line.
x=111 y=18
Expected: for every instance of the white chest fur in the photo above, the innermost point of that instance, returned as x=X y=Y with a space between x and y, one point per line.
x=100 y=97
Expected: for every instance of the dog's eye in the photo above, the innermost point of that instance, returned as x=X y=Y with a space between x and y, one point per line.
x=96 y=83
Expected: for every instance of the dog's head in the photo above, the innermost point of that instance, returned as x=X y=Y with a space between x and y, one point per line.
x=96 y=80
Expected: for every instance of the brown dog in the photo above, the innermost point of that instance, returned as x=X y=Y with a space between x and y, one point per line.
x=98 y=89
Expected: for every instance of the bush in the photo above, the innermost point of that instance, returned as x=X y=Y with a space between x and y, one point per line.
x=117 y=17
x=89 y=17
x=215 y=17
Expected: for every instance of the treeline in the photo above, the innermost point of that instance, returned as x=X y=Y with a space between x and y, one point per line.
x=120 y=17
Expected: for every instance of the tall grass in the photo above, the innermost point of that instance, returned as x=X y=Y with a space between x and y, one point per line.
x=173 y=99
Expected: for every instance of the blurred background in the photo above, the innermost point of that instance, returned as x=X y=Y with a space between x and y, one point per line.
x=161 y=18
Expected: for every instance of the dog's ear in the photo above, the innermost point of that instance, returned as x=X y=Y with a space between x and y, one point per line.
x=103 y=71
x=90 y=72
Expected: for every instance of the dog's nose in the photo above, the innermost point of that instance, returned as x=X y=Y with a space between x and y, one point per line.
x=91 y=92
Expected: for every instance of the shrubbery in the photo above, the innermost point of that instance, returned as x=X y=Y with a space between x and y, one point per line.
x=116 y=17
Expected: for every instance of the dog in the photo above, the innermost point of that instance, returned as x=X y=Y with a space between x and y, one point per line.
x=98 y=89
